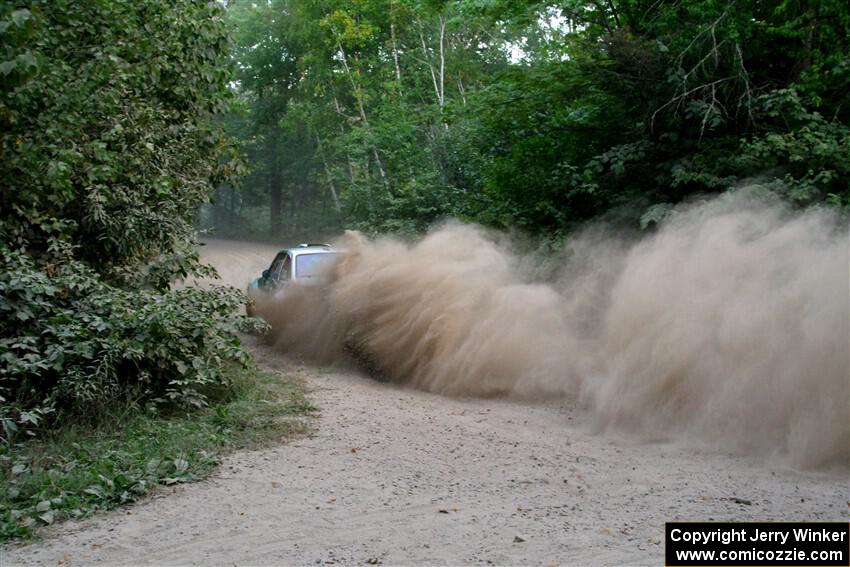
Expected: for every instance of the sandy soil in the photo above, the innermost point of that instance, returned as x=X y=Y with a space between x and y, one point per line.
x=405 y=477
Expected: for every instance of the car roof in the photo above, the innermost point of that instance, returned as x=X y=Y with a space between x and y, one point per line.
x=309 y=249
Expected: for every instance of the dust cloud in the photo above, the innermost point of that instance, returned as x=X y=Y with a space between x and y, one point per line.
x=728 y=326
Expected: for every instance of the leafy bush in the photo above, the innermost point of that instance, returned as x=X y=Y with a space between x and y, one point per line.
x=107 y=128
x=109 y=140
x=798 y=152
x=72 y=345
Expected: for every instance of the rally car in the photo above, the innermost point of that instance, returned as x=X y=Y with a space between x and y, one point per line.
x=305 y=264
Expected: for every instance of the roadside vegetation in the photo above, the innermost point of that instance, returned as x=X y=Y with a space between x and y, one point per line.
x=87 y=466
x=113 y=382
x=391 y=115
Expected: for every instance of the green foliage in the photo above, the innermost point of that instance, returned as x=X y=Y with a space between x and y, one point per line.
x=72 y=345
x=75 y=471
x=105 y=127
x=541 y=115
x=109 y=143
x=805 y=155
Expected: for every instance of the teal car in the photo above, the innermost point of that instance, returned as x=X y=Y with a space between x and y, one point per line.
x=305 y=264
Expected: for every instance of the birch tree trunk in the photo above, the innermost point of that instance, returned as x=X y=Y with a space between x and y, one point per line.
x=439 y=83
x=331 y=185
x=442 y=96
x=427 y=61
x=347 y=155
x=275 y=186
x=395 y=46
x=358 y=96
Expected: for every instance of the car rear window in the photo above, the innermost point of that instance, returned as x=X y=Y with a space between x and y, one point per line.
x=314 y=265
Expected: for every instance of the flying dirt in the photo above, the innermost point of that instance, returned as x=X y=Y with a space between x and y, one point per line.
x=395 y=475
x=729 y=326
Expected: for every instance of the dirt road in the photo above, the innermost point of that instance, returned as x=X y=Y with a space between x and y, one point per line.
x=404 y=477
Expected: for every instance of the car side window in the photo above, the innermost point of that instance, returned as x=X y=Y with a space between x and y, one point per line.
x=277 y=263
x=286 y=269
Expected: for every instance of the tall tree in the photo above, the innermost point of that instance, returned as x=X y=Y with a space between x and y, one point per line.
x=546 y=114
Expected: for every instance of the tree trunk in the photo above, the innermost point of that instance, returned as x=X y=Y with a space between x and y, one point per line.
x=442 y=62
x=327 y=172
x=439 y=83
x=347 y=155
x=219 y=221
x=395 y=46
x=231 y=210
x=275 y=186
x=358 y=95
x=430 y=66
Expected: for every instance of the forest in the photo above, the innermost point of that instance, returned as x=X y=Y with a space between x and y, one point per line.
x=391 y=115
x=130 y=130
